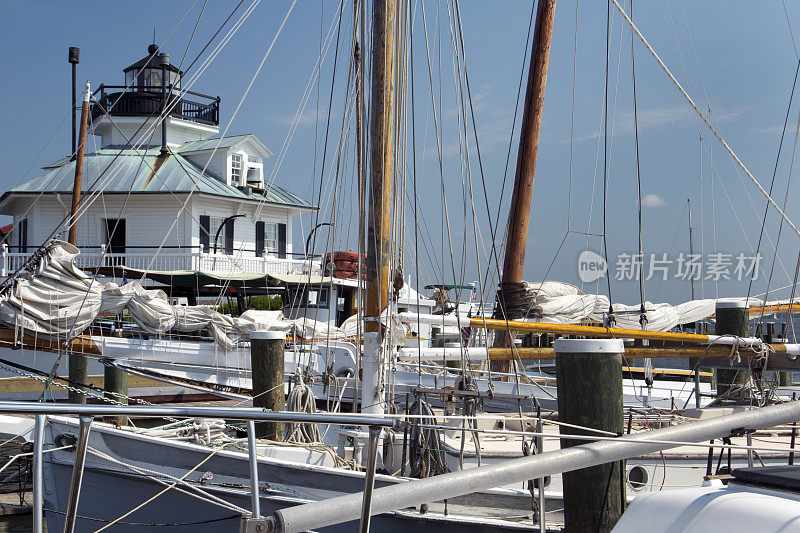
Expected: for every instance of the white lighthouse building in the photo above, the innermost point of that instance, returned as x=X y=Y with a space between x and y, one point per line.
x=161 y=197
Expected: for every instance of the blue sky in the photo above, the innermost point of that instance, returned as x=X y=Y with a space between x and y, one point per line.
x=741 y=58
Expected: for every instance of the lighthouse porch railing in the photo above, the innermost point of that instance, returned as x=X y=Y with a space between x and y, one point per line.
x=171 y=259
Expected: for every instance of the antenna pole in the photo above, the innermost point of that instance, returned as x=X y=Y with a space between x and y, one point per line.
x=74 y=58
x=520 y=211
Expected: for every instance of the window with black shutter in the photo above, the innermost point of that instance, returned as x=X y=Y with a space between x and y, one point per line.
x=229 y=236
x=282 y=241
x=259 y=238
x=23 y=235
x=205 y=232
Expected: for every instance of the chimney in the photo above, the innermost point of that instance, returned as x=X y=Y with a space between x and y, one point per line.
x=164 y=60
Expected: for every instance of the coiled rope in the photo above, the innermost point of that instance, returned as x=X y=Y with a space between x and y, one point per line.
x=301 y=399
x=426 y=456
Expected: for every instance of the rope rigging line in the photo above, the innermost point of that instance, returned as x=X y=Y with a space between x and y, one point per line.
x=494 y=227
x=162 y=491
x=780 y=226
x=708 y=124
x=439 y=131
x=699 y=131
x=233 y=116
x=460 y=60
x=39 y=154
x=569 y=230
x=775 y=172
x=459 y=28
x=643 y=317
x=789 y=25
x=610 y=318
x=648 y=363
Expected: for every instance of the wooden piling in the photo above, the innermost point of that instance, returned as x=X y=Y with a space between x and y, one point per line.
x=267 y=365
x=78 y=370
x=732 y=319
x=589 y=377
x=115 y=383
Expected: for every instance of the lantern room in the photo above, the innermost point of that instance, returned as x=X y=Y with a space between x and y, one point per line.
x=146 y=74
x=130 y=114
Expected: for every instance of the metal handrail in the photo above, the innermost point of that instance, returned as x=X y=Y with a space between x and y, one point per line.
x=251 y=414
x=160 y=411
x=156 y=88
x=324 y=513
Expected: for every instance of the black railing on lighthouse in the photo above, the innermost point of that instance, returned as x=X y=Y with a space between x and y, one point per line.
x=147 y=100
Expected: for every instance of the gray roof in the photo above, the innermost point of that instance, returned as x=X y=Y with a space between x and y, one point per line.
x=124 y=170
x=220 y=144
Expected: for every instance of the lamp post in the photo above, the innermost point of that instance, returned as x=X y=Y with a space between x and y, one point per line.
x=224 y=223
x=311 y=233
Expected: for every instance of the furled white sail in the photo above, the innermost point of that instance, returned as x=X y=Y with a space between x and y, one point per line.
x=59 y=301
x=561 y=303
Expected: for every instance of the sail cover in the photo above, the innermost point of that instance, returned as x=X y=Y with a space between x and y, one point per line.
x=562 y=303
x=58 y=301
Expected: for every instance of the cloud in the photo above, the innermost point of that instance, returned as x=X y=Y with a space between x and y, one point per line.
x=680 y=115
x=653 y=200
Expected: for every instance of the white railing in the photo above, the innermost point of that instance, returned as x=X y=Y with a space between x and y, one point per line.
x=219 y=263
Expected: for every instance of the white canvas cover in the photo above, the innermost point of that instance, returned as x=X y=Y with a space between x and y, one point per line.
x=58 y=301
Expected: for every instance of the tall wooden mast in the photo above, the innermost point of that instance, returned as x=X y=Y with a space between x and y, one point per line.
x=77 y=363
x=520 y=210
x=359 y=14
x=76 y=189
x=380 y=187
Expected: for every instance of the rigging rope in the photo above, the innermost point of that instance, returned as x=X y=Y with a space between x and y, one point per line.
x=301 y=399
x=426 y=454
x=610 y=318
x=704 y=119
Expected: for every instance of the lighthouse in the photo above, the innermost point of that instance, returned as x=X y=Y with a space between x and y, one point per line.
x=161 y=190
x=130 y=113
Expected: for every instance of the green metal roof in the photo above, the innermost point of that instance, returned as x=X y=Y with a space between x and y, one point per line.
x=125 y=170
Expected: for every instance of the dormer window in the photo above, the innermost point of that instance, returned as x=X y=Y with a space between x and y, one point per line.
x=236 y=169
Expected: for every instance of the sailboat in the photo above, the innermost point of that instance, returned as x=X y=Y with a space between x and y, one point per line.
x=131 y=459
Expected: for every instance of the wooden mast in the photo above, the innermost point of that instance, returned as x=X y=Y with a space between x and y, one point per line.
x=378 y=221
x=77 y=363
x=76 y=188
x=359 y=14
x=520 y=210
